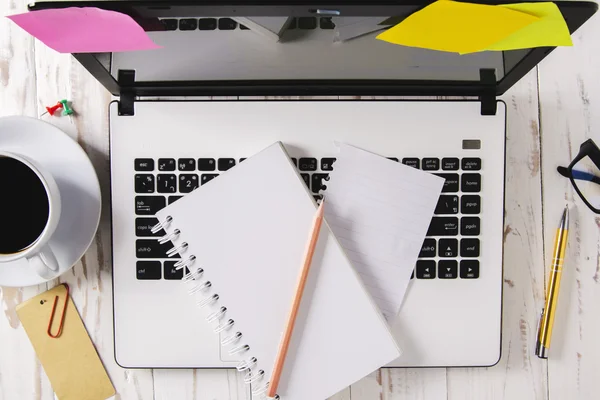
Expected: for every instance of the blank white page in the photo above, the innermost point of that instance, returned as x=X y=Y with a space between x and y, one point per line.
x=248 y=230
x=380 y=211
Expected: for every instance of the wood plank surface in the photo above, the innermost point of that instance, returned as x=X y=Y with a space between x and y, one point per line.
x=570 y=114
x=546 y=124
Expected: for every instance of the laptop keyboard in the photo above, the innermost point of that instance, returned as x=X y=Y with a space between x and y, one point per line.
x=450 y=251
x=228 y=24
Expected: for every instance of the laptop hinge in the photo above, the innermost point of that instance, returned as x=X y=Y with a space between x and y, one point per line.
x=126 y=79
x=488 y=96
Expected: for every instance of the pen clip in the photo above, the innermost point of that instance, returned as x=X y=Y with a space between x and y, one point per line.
x=62 y=317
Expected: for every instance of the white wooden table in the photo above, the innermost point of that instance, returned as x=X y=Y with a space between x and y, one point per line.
x=550 y=113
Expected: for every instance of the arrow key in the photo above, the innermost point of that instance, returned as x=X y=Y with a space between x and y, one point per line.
x=448 y=269
x=469 y=269
x=448 y=248
x=425 y=269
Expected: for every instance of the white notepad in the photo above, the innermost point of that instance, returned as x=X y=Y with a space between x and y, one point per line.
x=380 y=211
x=248 y=230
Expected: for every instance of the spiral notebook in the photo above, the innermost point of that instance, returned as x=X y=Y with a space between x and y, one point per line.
x=242 y=238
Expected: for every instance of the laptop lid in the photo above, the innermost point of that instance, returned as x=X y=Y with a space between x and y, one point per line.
x=297 y=48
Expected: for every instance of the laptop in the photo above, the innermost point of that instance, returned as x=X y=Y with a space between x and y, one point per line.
x=168 y=136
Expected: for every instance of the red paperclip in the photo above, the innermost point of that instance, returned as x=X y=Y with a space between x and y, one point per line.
x=62 y=318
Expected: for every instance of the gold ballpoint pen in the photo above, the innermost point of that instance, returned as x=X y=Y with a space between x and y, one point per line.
x=547 y=318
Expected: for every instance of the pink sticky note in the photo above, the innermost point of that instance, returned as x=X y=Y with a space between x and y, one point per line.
x=85 y=30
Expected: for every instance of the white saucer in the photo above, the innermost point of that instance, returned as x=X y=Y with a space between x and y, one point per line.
x=79 y=191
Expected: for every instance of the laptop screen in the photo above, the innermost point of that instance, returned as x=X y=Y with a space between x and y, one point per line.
x=279 y=48
x=234 y=48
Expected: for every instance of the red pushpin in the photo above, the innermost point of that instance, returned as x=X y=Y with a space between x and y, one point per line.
x=53 y=109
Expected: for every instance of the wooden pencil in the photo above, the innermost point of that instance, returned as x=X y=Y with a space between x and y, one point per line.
x=289 y=329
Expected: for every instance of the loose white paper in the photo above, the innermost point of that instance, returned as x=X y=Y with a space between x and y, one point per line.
x=380 y=211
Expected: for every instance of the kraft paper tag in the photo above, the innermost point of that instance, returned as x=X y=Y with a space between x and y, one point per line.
x=70 y=360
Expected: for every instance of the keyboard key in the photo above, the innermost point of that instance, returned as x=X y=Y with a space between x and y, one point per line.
x=412 y=162
x=149 y=205
x=144 y=183
x=425 y=269
x=150 y=248
x=173 y=199
x=319 y=182
x=326 y=23
x=393 y=159
x=148 y=270
x=171 y=273
x=143 y=226
x=166 y=164
x=307 y=164
x=327 y=164
x=206 y=164
x=470 y=226
x=428 y=248
x=169 y=24
x=166 y=183
x=318 y=198
x=295 y=161
x=188 y=182
x=205 y=178
x=469 y=247
x=143 y=164
x=469 y=269
x=245 y=28
x=431 y=164
x=470 y=183
x=450 y=164
x=443 y=226
x=188 y=24
x=447 y=269
x=470 y=204
x=306 y=178
x=307 y=23
x=186 y=164
x=242 y=159
x=227 y=24
x=447 y=205
x=471 y=164
x=412 y=274
x=450 y=183
x=207 y=24
x=225 y=163
x=448 y=248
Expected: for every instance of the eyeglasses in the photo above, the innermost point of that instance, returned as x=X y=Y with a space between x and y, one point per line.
x=584 y=173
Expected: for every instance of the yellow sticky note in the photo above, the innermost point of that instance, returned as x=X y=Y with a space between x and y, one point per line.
x=550 y=30
x=457 y=27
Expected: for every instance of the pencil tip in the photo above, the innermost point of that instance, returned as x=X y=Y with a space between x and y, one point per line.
x=321 y=209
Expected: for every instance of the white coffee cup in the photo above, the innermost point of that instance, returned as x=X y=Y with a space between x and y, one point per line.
x=38 y=253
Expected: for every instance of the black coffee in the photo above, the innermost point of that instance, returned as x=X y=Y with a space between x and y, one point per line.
x=24 y=207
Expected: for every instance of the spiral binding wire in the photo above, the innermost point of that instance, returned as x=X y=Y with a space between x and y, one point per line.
x=193 y=276
x=171 y=236
x=187 y=263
